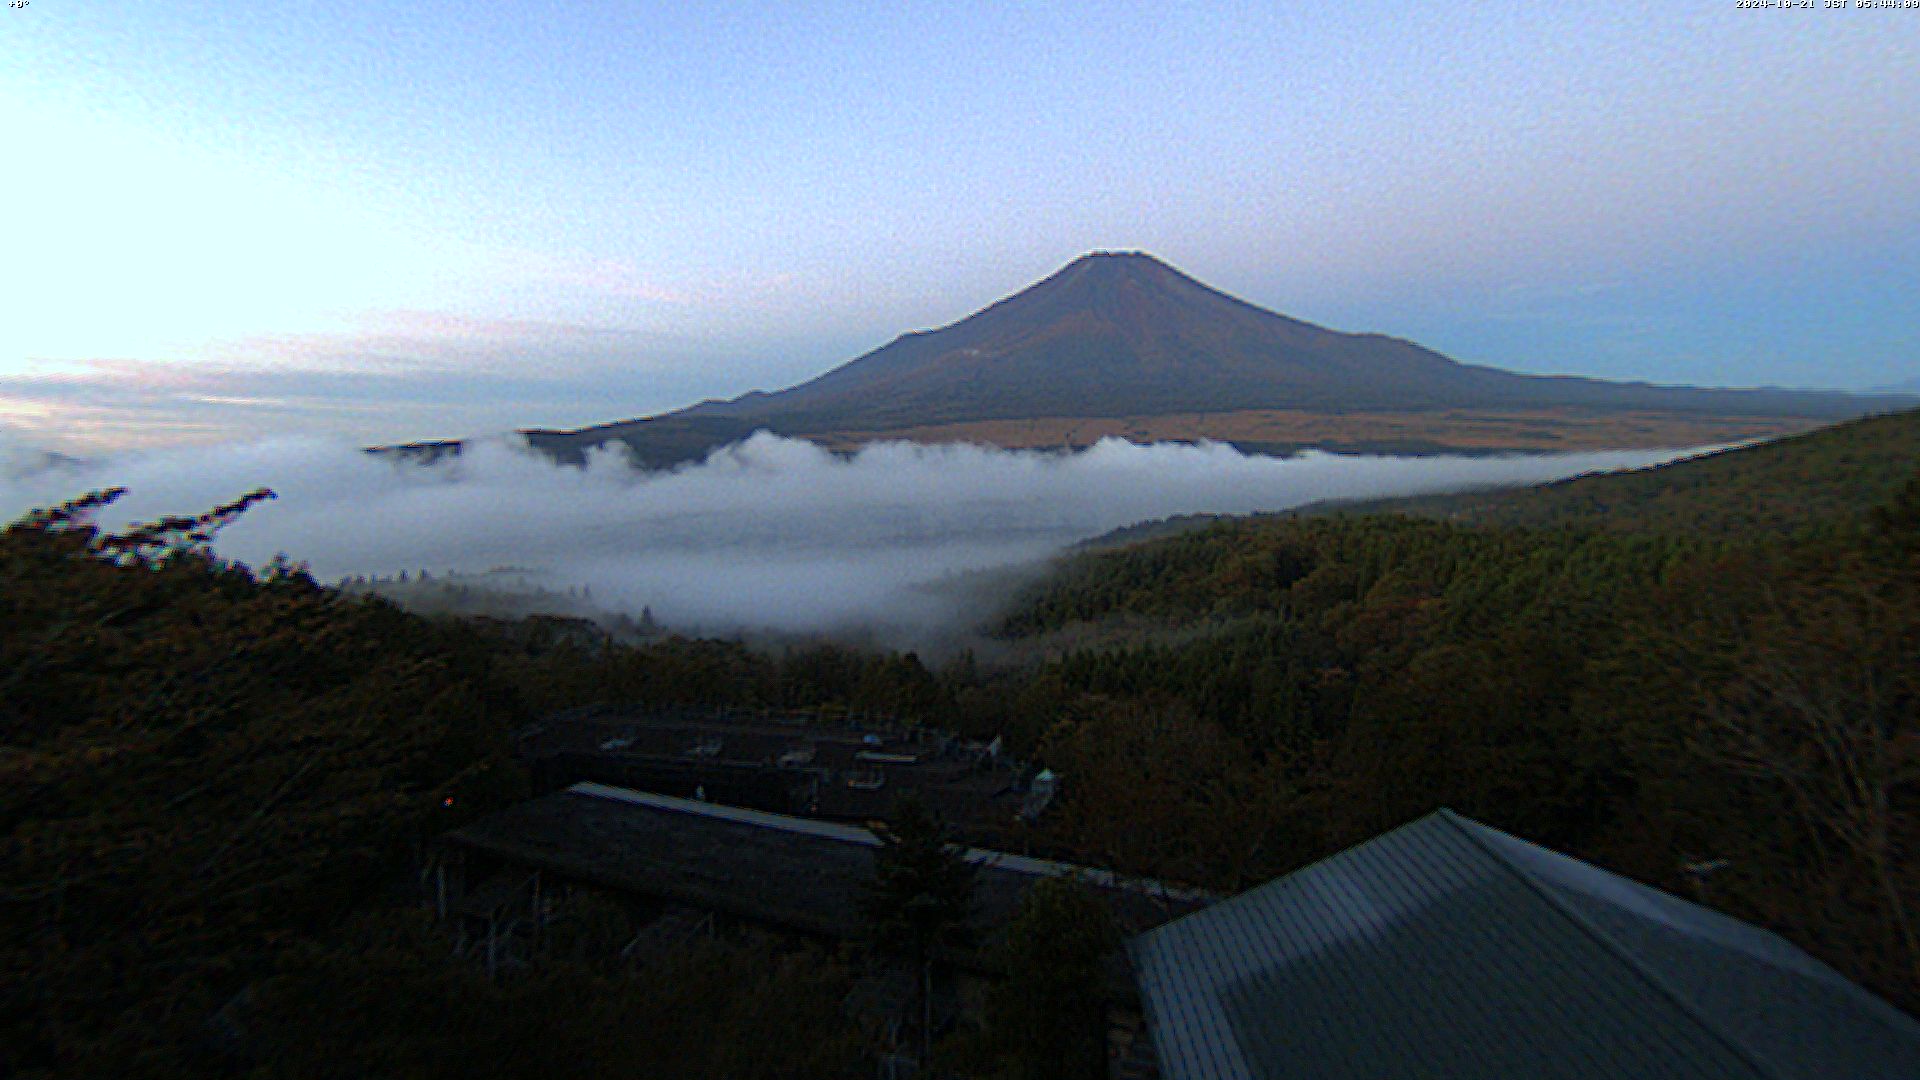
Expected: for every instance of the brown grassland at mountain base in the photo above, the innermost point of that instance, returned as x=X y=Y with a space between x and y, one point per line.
x=1469 y=430
x=1121 y=344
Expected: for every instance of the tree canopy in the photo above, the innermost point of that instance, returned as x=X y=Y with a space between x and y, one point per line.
x=214 y=779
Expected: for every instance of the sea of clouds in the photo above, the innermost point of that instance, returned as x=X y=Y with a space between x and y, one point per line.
x=770 y=533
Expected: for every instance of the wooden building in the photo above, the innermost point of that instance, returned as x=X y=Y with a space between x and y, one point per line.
x=677 y=861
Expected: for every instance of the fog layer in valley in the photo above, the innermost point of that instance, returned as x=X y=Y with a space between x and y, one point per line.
x=769 y=534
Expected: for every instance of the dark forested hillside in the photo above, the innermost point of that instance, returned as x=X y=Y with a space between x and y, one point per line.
x=213 y=785
x=201 y=765
x=213 y=779
x=1786 y=484
x=1239 y=700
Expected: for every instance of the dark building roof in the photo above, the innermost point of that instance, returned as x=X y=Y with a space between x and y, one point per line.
x=791 y=872
x=1450 y=949
x=785 y=763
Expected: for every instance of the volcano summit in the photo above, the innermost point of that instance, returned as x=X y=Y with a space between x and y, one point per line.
x=1122 y=344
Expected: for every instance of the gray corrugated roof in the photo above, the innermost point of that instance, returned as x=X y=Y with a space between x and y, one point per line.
x=802 y=874
x=993 y=860
x=1450 y=949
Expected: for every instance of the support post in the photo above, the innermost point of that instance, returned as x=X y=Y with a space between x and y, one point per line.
x=491 y=922
x=539 y=914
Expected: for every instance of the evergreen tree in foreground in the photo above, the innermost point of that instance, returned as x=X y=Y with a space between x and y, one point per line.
x=920 y=897
x=1046 y=1018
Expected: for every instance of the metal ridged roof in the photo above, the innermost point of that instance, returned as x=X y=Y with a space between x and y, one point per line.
x=996 y=860
x=1449 y=949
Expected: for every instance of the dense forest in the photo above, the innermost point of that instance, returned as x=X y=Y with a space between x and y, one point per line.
x=1720 y=681
x=1817 y=479
x=213 y=788
x=215 y=780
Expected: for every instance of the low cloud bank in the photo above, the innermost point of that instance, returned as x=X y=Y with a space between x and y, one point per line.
x=771 y=533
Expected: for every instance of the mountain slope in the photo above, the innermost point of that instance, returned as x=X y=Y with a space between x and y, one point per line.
x=1113 y=334
x=1107 y=335
x=1783 y=486
x=1123 y=344
x=1701 y=685
x=1800 y=485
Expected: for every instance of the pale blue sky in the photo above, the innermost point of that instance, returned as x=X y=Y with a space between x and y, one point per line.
x=433 y=219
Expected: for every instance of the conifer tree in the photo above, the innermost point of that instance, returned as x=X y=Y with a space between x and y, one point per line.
x=1045 y=1018
x=920 y=897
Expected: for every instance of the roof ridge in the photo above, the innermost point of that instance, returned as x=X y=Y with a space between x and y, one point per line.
x=1606 y=941
x=854 y=834
x=739 y=815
